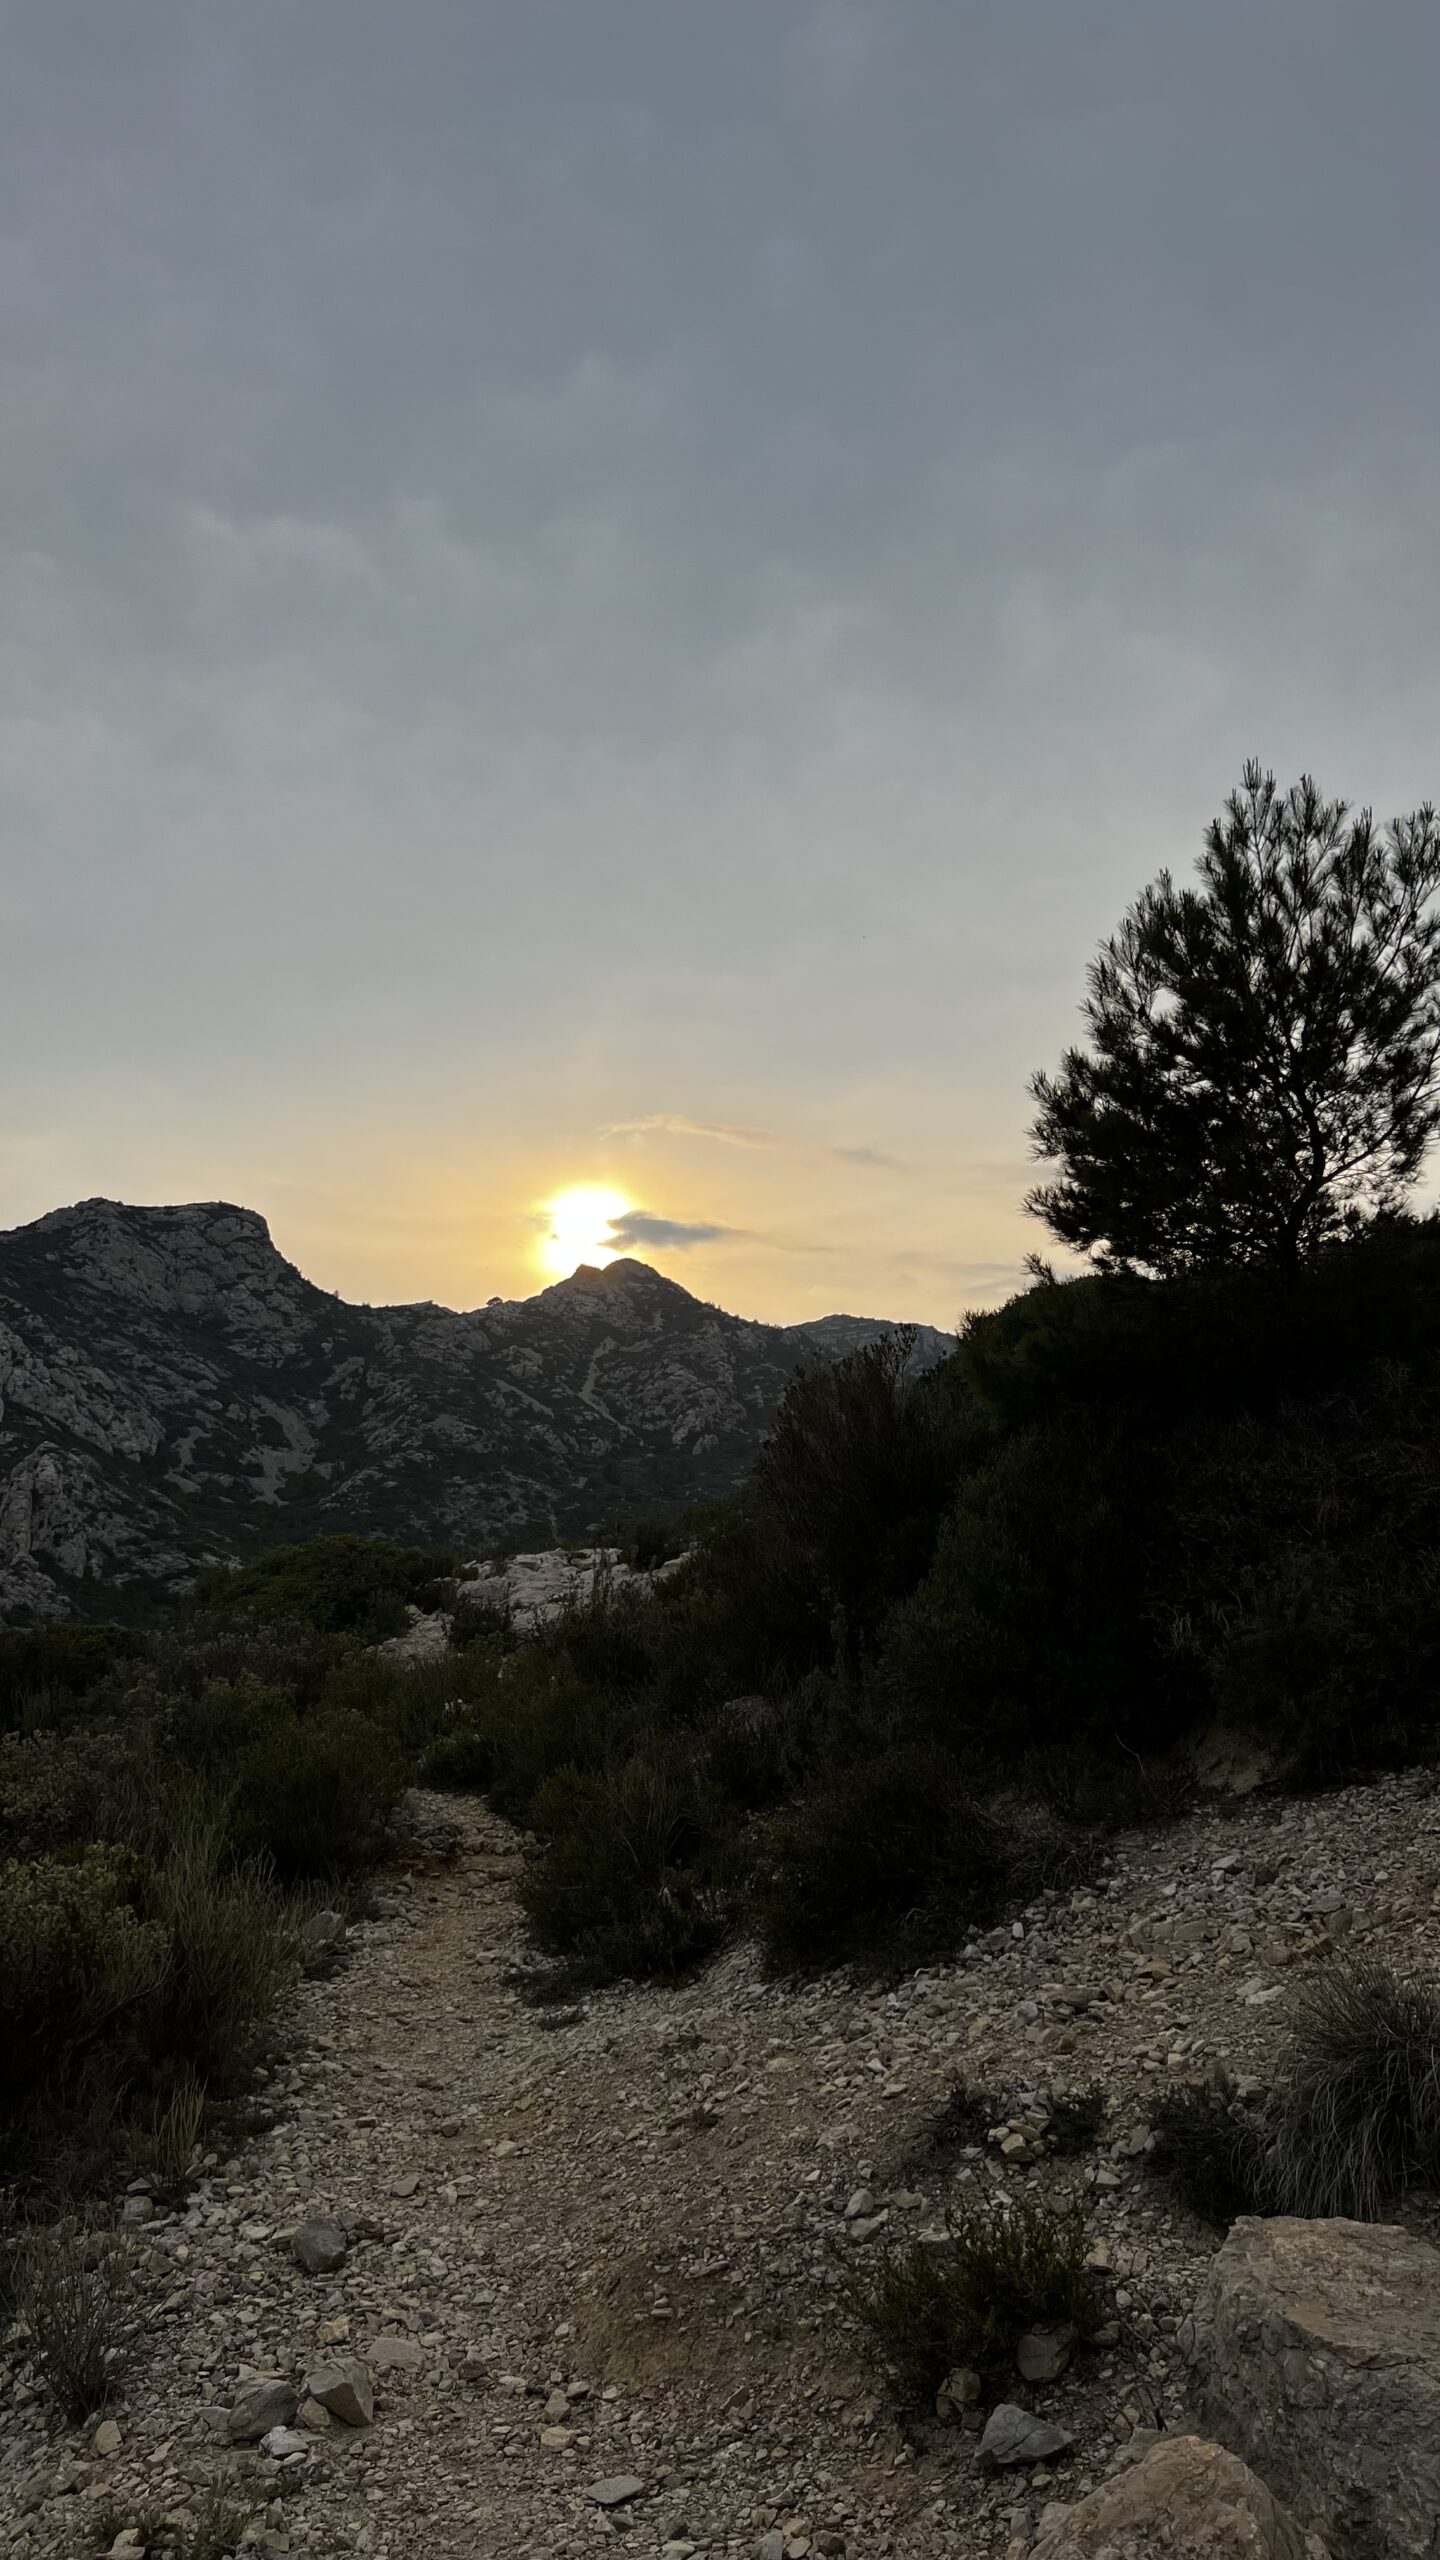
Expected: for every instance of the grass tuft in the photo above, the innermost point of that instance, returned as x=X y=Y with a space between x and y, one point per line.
x=74 y=2290
x=1358 y=2120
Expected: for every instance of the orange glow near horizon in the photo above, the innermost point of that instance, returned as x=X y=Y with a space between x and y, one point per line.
x=577 y=1228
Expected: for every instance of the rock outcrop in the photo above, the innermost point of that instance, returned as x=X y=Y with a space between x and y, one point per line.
x=1317 y=2357
x=1185 y=2497
x=173 y=1391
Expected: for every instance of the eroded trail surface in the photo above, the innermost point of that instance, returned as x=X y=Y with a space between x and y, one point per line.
x=603 y=2246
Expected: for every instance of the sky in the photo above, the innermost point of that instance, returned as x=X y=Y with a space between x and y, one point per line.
x=614 y=594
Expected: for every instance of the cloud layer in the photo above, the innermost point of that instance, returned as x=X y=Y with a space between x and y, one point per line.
x=668 y=572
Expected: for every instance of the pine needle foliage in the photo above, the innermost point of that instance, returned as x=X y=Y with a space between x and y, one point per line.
x=1263 y=1054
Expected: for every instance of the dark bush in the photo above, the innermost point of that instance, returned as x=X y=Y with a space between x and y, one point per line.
x=314 y=1793
x=1075 y=2123
x=854 y=1479
x=624 y=1884
x=476 y=1620
x=80 y=1965
x=519 y=1722
x=1212 y=2151
x=47 y=1672
x=651 y=1538
x=127 y=1981
x=64 y=1790
x=969 y=2300
x=890 y=1857
x=1187 y=1501
x=233 y=1950
x=338 y=1586
x=960 y=2123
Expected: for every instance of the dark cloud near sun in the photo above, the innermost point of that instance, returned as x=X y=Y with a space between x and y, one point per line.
x=639 y=1230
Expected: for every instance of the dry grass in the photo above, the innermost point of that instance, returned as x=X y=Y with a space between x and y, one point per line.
x=74 y=2290
x=1357 y=2119
x=165 y=2150
x=1354 y=2118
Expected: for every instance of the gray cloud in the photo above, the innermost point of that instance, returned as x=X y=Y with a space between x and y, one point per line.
x=637 y=1227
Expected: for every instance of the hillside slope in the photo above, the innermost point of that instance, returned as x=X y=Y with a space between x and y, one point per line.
x=173 y=1390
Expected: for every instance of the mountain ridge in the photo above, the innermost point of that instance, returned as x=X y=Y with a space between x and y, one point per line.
x=174 y=1391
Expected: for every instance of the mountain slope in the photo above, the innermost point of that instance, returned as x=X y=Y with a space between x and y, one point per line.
x=173 y=1390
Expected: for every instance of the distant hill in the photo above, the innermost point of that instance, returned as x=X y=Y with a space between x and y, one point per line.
x=173 y=1391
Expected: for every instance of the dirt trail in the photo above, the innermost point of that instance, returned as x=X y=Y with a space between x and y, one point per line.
x=607 y=2242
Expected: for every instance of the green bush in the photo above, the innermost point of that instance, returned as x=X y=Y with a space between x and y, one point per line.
x=891 y=1855
x=46 y=1673
x=80 y=1966
x=129 y=1985
x=183 y=1658
x=519 y=1722
x=969 y=2300
x=314 y=1793
x=1352 y=2122
x=63 y=1790
x=233 y=1951
x=345 y=1585
x=623 y=1885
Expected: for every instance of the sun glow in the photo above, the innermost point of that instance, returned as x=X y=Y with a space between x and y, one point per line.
x=577 y=1228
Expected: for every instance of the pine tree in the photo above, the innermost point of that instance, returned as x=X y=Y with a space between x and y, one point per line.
x=1263 y=1060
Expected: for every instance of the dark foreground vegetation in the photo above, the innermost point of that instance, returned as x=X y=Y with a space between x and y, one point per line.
x=957 y=1628
x=173 y=1806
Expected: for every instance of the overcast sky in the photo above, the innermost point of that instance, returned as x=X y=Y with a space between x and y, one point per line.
x=619 y=591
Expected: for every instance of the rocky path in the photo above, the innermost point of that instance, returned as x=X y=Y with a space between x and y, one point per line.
x=602 y=2247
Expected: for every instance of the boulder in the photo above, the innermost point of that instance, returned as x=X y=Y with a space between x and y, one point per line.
x=282 y=2444
x=343 y=2390
x=1317 y=2355
x=958 y=2394
x=1043 y=2354
x=268 y=2401
x=1013 y=2435
x=617 y=2491
x=320 y=2246
x=1186 y=2497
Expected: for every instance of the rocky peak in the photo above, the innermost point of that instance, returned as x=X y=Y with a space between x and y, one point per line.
x=205 y=1259
x=625 y=1293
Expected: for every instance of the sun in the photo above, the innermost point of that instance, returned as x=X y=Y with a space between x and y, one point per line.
x=577 y=1228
